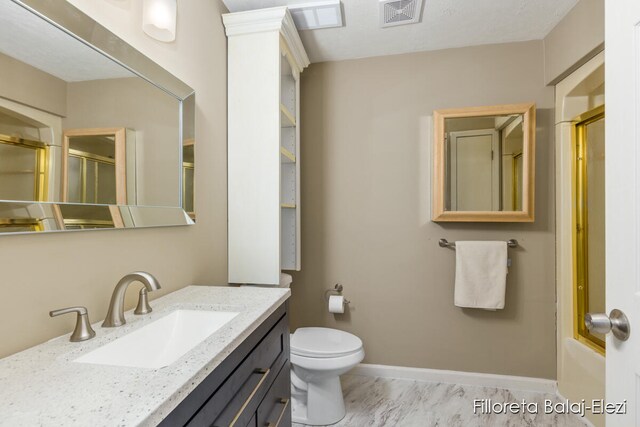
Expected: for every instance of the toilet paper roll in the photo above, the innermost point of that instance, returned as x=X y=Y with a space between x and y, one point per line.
x=336 y=304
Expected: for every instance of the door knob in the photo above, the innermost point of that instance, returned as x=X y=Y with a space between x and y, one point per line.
x=615 y=322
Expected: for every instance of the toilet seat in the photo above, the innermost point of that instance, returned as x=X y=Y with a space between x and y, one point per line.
x=324 y=343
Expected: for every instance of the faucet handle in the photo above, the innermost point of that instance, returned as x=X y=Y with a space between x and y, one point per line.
x=83 y=330
x=143 y=306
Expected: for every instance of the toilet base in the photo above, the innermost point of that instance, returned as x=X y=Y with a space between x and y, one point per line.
x=321 y=404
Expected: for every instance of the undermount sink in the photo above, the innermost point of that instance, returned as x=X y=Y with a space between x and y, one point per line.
x=161 y=342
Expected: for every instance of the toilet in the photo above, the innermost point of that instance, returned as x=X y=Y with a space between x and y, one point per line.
x=318 y=357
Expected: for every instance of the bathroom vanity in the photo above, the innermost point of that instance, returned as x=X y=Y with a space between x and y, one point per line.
x=251 y=387
x=238 y=375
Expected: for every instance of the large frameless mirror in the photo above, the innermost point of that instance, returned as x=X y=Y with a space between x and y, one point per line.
x=93 y=134
x=483 y=164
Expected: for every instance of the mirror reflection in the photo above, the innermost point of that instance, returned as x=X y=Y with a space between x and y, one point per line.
x=22 y=217
x=188 y=169
x=83 y=217
x=89 y=167
x=25 y=217
x=78 y=127
x=22 y=168
x=484 y=163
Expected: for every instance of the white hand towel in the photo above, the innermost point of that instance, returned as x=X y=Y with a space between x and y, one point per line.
x=481 y=274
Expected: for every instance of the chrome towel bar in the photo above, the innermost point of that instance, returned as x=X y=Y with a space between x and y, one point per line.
x=444 y=243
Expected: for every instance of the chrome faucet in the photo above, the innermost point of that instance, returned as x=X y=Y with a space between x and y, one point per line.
x=115 y=315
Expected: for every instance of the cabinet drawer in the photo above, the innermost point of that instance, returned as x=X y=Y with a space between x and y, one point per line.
x=275 y=409
x=235 y=402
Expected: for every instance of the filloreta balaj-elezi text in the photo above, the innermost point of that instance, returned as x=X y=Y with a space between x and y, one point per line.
x=596 y=406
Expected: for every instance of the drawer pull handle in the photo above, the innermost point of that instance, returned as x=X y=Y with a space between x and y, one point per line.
x=265 y=373
x=284 y=402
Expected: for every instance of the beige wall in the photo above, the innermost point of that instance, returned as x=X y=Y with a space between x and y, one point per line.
x=575 y=40
x=366 y=212
x=43 y=272
x=23 y=83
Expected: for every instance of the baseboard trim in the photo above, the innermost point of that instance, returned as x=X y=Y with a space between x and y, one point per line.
x=584 y=419
x=457 y=377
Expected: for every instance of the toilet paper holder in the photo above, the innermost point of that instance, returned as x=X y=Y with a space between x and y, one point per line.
x=337 y=290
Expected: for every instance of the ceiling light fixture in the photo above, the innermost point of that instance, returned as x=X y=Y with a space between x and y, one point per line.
x=159 y=19
x=316 y=15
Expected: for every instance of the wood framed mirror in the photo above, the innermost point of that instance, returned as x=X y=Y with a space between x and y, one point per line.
x=484 y=164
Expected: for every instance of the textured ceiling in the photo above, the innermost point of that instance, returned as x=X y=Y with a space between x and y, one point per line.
x=30 y=39
x=445 y=24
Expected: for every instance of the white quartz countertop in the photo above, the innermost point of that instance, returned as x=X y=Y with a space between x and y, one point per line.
x=43 y=386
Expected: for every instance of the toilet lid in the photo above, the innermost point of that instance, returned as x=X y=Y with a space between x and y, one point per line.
x=324 y=342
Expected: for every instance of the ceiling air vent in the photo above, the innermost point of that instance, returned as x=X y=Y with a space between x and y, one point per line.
x=399 y=12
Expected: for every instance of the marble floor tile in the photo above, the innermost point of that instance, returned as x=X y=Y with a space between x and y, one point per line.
x=382 y=402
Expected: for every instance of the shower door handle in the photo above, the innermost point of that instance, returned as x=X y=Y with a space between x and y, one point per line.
x=615 y=322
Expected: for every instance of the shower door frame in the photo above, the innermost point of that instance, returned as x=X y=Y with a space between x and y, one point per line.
x=41 y=174
x=581 y=234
